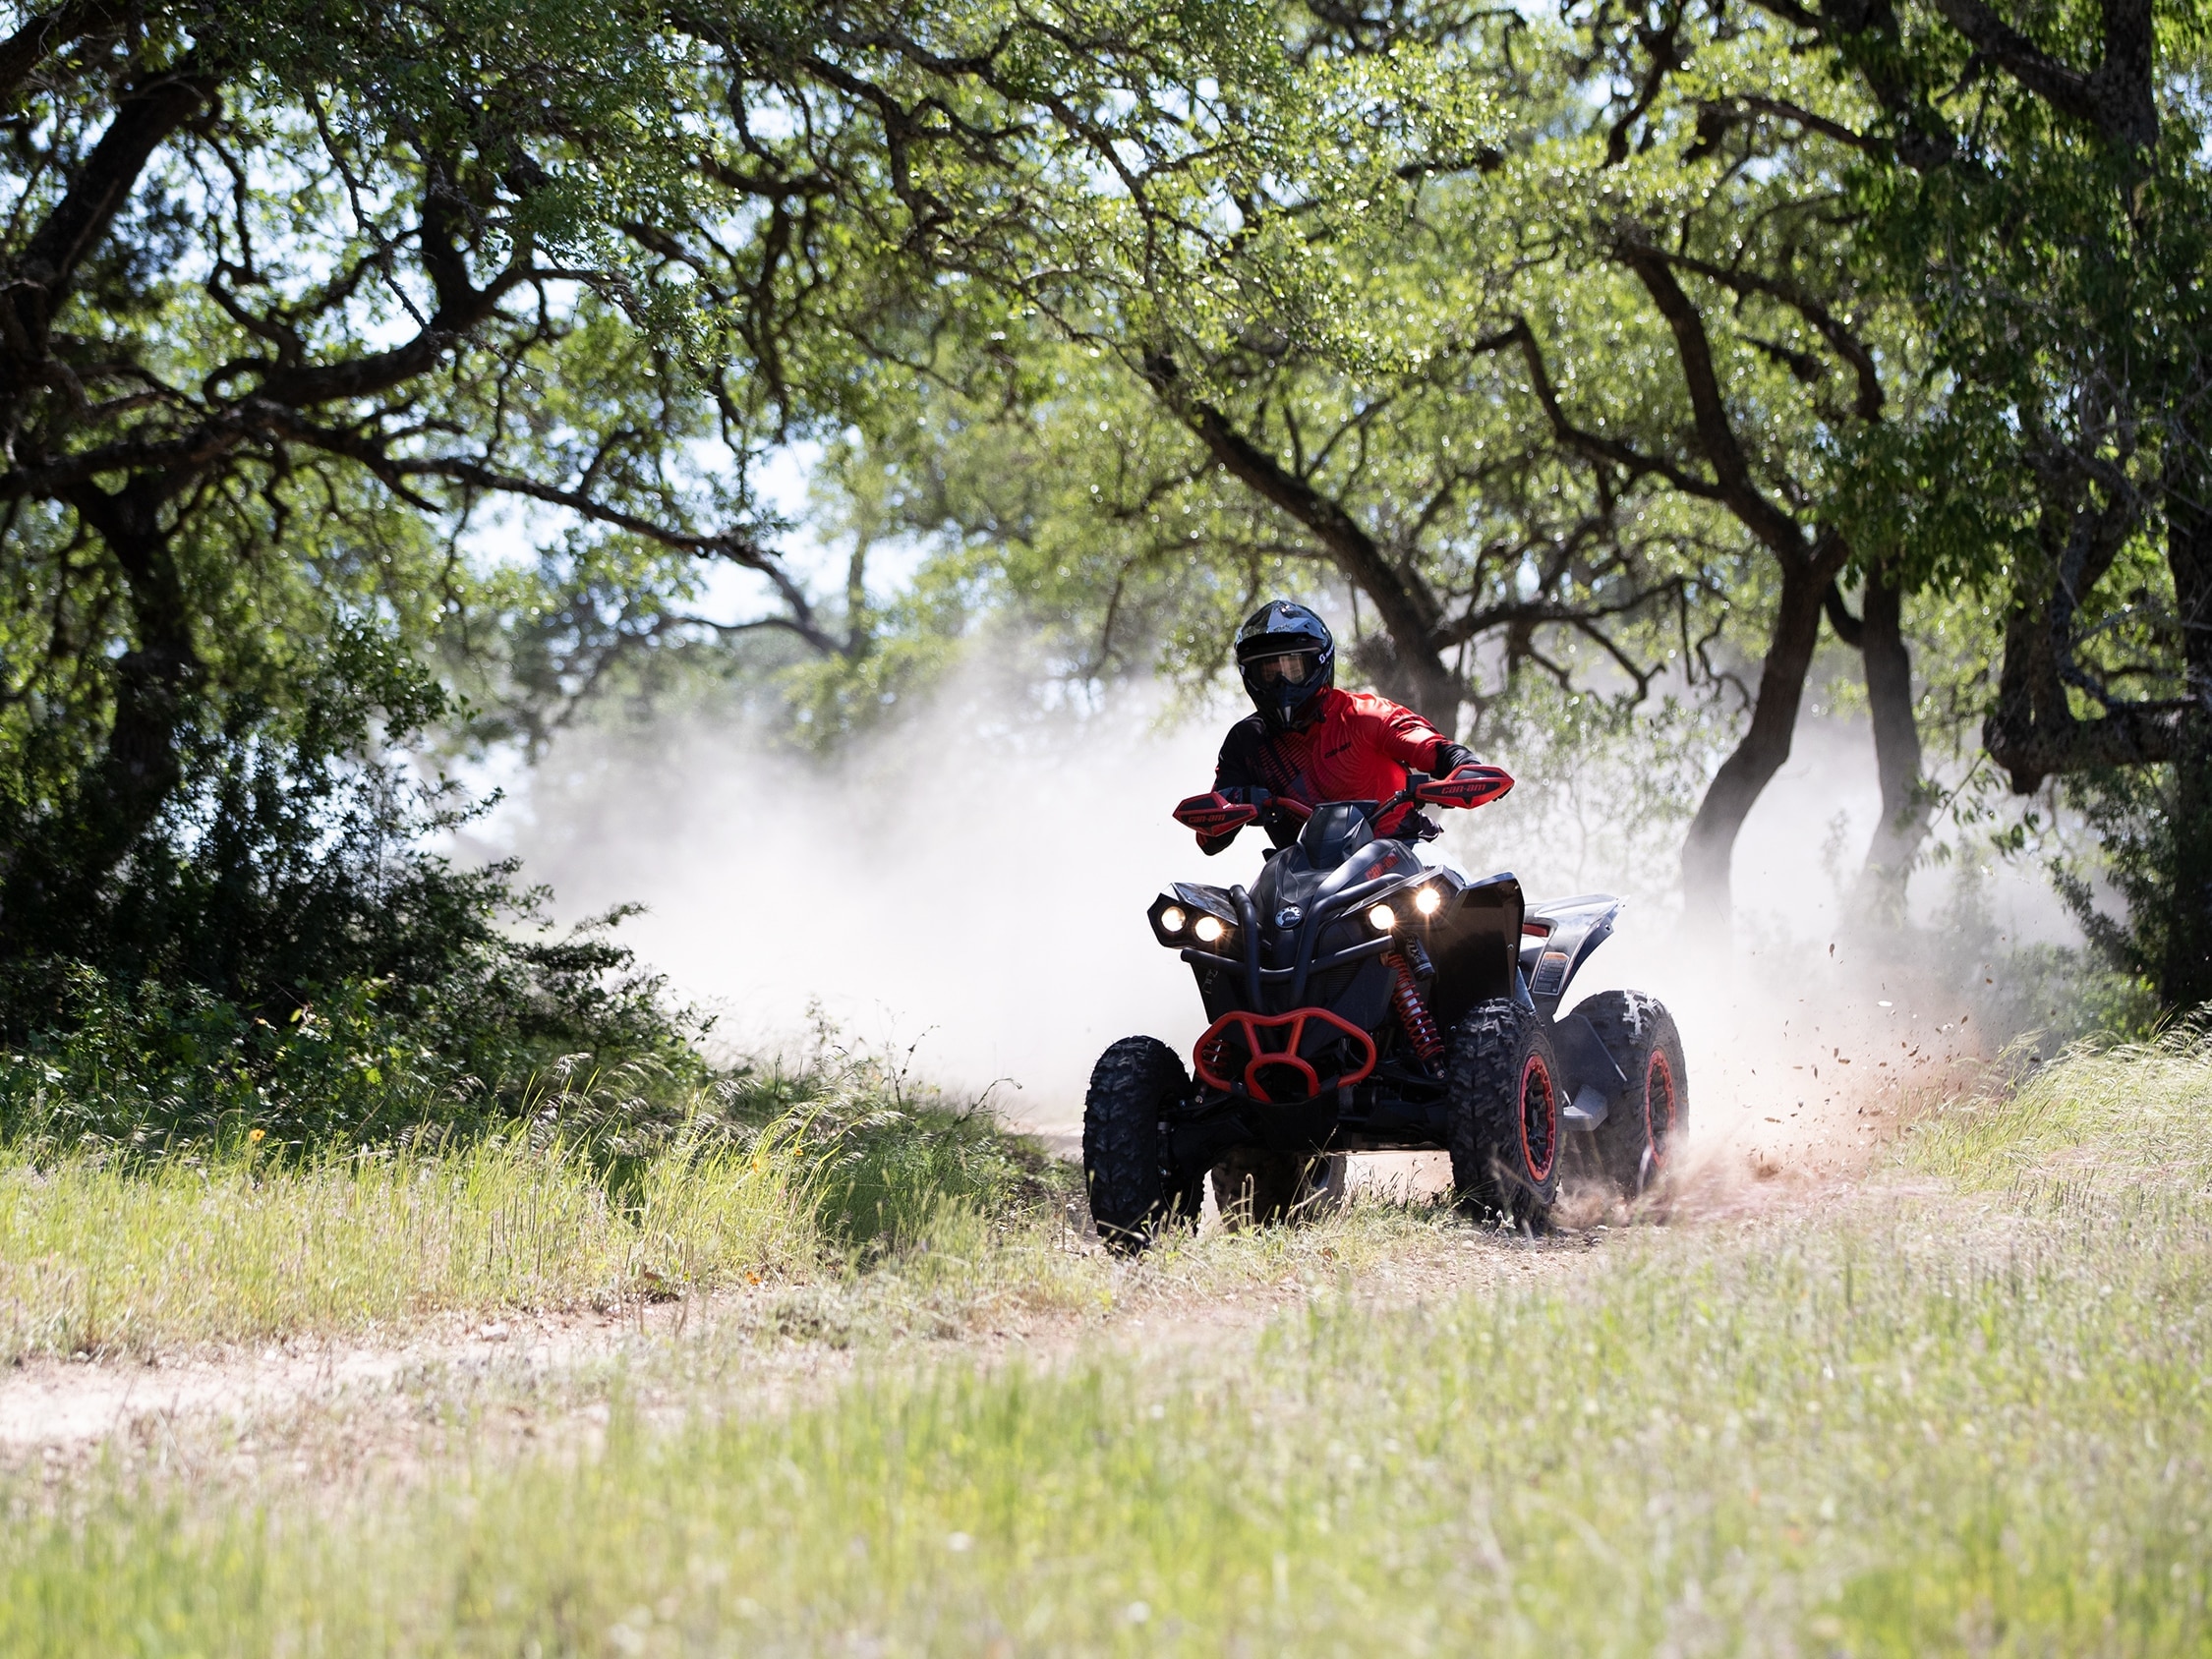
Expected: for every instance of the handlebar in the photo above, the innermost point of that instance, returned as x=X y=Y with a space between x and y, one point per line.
x=1214 y=813
x=1472 y=785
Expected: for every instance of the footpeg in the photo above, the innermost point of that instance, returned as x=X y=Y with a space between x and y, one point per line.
x=1587 y=1111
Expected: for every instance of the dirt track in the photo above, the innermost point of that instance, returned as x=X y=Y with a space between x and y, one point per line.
x=329 y=1408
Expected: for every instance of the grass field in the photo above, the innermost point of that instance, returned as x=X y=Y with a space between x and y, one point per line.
x=101 y=1257
x=1965 y=1409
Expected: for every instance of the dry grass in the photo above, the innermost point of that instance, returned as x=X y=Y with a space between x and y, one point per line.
x=2101 y=1109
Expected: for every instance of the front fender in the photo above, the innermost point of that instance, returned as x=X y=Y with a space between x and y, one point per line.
x=1573 y=929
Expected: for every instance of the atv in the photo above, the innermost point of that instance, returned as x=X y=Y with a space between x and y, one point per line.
x=1358 y=1000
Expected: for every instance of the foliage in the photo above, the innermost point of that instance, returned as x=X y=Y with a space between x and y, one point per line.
x=1906 y=292
x=315 y=315
x=2132 y=814
x=1576 y=356
x=281 y=953
x=2040 y=195
x=1556 y=387
x=495 y=1040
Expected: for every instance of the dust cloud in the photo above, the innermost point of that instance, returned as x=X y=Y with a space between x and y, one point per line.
x=971 y=888
x=971 y=891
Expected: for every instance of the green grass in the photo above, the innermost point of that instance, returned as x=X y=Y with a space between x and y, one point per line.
x=1971 y=1422
x=2103 y=1112
x=98 y=1256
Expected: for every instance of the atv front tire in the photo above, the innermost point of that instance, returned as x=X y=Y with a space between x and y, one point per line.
x=1648 y=1121
x=1257 y=1187
x=1135 y=1190
x=1503 y=1103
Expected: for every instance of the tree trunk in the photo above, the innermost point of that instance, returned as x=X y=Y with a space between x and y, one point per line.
x=54 y=888
x=1416 y=678
x=1907 y=808
x=2186 y=976
x=1709 y=851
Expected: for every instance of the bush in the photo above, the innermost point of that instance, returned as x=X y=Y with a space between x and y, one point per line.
x=2151 y=854
x=156 y=1066
x=280 y=954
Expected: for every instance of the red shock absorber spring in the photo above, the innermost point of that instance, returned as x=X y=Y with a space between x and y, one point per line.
x=1413 y=1011
x=1210 y=1052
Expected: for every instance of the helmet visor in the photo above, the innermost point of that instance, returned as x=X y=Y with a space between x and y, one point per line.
x=1289 y=667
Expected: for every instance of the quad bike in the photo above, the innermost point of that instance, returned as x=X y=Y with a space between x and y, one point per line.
x=1358 y=1000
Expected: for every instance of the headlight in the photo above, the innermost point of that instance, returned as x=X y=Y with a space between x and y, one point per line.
x=1209 y=930
x=1171 y=918
x=1428 y=900
x=1382 y=918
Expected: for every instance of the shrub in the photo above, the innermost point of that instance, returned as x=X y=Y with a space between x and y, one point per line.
x=282 y=951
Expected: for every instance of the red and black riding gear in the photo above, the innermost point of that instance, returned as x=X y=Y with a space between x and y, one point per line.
x=1353 y=746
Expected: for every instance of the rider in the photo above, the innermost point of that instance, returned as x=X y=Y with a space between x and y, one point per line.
x=1309 y=742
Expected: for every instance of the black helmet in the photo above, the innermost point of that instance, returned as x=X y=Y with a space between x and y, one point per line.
x=1287 y=657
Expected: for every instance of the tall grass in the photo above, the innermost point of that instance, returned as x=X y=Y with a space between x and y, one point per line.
x=2101 y=1108
x=108 y=1256
x=97 y=1257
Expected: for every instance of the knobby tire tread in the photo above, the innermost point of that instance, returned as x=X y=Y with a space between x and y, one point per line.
x=1630 y=1024
x=1131 y=1193
x=1489 y=1047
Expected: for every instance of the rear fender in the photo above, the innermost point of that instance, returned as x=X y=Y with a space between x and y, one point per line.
x=1588 y=1078
x=1570 y=930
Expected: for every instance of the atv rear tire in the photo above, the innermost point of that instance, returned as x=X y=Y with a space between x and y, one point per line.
x=1648 y=1120
x=1505 y=1113
x=1257 y=1187
x=1134 y=1191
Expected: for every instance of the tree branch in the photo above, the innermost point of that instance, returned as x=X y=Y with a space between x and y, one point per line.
x=2059 y=85
x=1594 y=444
x=1848 y=628
x=144 y=118
x=735 y=546
x=1846 y=345
x=1717 y=433
x=31 y=45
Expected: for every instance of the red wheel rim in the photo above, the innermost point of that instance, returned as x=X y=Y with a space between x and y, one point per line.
x=1658 y=1106
x=1539 y=1117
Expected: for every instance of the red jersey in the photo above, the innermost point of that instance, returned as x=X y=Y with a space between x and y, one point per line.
x=1358 y=748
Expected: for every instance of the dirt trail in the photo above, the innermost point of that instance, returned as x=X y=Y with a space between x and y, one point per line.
x=764 y=1346
x=359 y=1397
x=64 y=1402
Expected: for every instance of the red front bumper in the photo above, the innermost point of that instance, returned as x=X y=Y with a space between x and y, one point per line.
x=1253 y=1045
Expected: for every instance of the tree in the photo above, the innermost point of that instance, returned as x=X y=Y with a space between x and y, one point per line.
x=2040 y=187
x=1526 y=364
x=301 y=304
